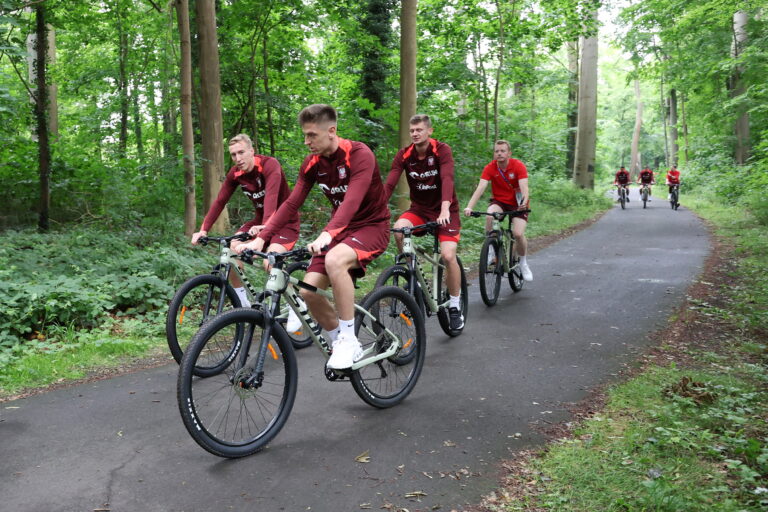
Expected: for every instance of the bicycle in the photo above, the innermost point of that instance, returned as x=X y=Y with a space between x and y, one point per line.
x=622 y=192
x=407 y=273
x=204 y=296
x=238 y=410
x=674 y=196
x=645 y=191
x=493 y=261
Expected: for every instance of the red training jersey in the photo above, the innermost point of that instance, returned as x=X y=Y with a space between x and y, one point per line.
x=504 y=187
x=646 y=176
x=351 y=181
x=673 y=176
x=622 y=177
x=264 y=185
x=430 y=176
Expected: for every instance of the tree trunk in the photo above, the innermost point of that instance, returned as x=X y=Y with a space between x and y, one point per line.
x=586 y=135
x=483 y=86
x=573 y=98
x=53 y=89
x=267 y=97
x=499 y=70
x=741 y=127
x=137 y=121
x=122 y=81
x=187 y=136
x=664 y=117
x=211 y=129
x=634 y=160
x=685 y=128
x=408 y=13
x=674 y=147
x=41 y=104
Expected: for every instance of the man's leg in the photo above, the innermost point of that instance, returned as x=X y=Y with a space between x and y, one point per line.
x=321 y=309
x=521 y=246
x=492 y=208
x=401 y=223
x=453 y=282
x=338 y=262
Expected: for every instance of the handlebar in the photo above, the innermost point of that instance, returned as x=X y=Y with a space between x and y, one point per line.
x=224 y=240
x=429 y=227
x=501 y=215
x=298 y=254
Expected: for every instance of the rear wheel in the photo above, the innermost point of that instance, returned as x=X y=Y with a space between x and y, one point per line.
x=229 y=414
x=490 y=267
x=388 y=381
x=194 y=304
x=443 y=297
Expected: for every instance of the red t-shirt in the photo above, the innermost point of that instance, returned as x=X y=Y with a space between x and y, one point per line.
x=646 y=176
x=430 y=177
x=622 y=177
x=264 y=185
x=351 y=181
x=504 y=188
x=673 y=176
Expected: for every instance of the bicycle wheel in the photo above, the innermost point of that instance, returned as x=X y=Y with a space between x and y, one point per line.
x=399 y=276
x=442 y=293
x=194 y=304
x=490 y=267
x=388 y=381
x=299 y=338
x=623 y=199
x=644 y=195
x=673 y=199
x=222 y=413
x=515 y=274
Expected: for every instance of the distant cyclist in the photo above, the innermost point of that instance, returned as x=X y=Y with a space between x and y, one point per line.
x=646 y=177
x=622 y=179
x=262 y=180
x=673 y=179
x=509 y=191
x=357 y=232
x=428 y=167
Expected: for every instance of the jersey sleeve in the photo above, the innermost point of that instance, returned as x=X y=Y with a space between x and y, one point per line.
x=487 y=172
x=273 y=181
x=225 y=192
x=362 y=165
x=445 y=158
x=398 y=164
x=521 y=172
x=290 y=207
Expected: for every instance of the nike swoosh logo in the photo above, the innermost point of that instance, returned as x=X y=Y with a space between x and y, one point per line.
x=322 y=174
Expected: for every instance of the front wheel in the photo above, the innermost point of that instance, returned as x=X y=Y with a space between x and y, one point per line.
x=443 y=297
x=400 y=276
x=195 y=303
x=490 y=267
x=623 y=198
x=644 y=195
x=235 y=413
x=388 y=381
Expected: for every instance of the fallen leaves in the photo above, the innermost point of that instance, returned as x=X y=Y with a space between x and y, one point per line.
x=363 y=457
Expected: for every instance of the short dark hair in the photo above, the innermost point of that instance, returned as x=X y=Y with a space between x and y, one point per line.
x=317 y=113
x=421 y=118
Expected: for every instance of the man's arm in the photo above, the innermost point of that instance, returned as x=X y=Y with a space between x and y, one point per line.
x=288 y=209
x=394 y=175
x=523 y=191
x=445 y=159
x=476 y=195
x=273 y=181
x=225 y=193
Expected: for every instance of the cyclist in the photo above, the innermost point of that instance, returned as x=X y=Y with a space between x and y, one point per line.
x=262 y=180
x=622 y=179
x=673 y=179
x=428 y=165
x=358 y=231
x=509 y=191
x=646 y=177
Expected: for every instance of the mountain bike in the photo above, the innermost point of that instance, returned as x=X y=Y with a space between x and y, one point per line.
x=239 y=409
x=494 y=264
x=204 y=296
x=428 y=287
x=622 y=192
x=674 y=196
x=645 y=191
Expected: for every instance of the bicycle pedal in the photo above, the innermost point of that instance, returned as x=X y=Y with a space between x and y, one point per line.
x=335 y=375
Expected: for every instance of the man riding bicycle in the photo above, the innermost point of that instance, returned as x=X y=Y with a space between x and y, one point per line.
x=509 y=191
x=646 y=177
x=262 y=180
x=429 y=170
x=622 y=179
x=358 y=231
x=673 y=180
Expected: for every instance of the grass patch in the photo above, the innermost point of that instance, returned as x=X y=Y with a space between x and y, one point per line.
x=677 y=438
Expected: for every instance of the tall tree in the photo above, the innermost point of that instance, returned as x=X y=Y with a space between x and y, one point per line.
x=572 y=49
x=408 y=12
x=634 y=162
x=187 y=135
x=122 y=76
x=586 y=134
x=674 y=146
x=211 y=129
x=741 y=128
x=41 y=104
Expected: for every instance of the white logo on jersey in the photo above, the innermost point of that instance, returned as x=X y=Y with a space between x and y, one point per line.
x=342 y=172
x=332 y=190
x=431 y=160
x=422 y=186
x=423 y=175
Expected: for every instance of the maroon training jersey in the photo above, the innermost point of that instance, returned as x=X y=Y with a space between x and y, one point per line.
x=351 y=181
x=430 y=178
x=264 y=185
x=646 y=176
x=622 y=177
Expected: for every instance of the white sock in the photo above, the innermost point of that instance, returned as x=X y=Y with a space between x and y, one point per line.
x=333 y=334
x=243 y=297
x=347 y=327
x=455 y=301
x=523 y=260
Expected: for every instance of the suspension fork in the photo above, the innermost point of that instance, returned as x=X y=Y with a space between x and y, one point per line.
x=257 y=375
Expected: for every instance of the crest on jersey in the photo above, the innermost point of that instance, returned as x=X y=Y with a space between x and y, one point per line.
x=342 y=172
x=511 y=175
x=431 y=160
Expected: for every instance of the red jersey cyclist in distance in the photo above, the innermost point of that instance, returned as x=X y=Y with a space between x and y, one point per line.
x=622 y=178
x=428 y=166
x=673 y=178
x=646 y=177
x=509 y=191
x=357 y=232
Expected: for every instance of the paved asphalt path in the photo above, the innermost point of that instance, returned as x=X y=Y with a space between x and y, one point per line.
x=120 y=445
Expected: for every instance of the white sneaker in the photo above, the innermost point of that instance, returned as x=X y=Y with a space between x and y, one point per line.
x=527 y=274
x=293 y=324
x=346 y=350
